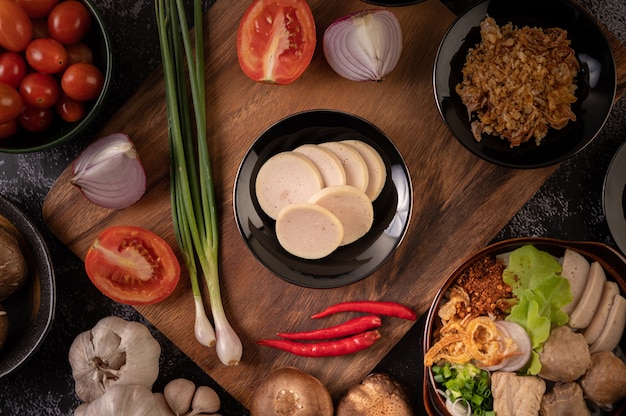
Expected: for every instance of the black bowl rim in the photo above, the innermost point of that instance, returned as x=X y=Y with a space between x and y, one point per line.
x=611 y=260
x=523 y=156
x=96 y=106
x=34 y=336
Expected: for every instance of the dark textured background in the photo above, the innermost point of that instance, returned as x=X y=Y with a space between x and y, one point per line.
x=568 y=206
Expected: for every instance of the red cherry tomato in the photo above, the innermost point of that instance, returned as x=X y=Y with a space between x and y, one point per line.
x=40 y=91
x=8 y=129
x=276 y=40
x=46 y=55
x=37 y=8
x=79 y=52
x=132 y=265
x=36 y=120
x=82 y=82
x=70 y=110
x=12 y=68
x=69 y=21
x=16 y=30
x=11 y=103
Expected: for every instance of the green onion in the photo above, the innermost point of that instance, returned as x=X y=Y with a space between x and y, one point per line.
x=465 y=383
x=194 y=212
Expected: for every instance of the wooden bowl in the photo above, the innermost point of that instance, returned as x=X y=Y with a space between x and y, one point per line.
x=612 y=261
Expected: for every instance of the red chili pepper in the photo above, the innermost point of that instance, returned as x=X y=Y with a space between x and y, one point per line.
x=351 y=327
x=341 y=346
x=369 y=306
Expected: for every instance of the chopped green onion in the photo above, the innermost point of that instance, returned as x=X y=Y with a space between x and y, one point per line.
x=194 y=212
x=465 y=383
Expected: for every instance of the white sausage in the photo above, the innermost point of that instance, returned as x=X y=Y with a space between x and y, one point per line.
x=351 y=205
x=327 y=162
x=613 y=328
x=308 y=230
x=576 y=270
x=609 y=292
x=377 y=172
x=586 y=308
x=353 y=163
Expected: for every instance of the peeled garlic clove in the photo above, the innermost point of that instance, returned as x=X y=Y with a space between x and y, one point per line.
x=178 y=395
x=114 y=351
x=206 y=400
x=109 y=172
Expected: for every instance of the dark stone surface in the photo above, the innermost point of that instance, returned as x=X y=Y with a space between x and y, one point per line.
x=568 y=206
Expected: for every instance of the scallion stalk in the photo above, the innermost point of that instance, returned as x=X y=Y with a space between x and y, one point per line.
x=194 y=211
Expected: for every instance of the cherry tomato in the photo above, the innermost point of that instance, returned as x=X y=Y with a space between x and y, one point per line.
x=69 y=21
x=8 y=129
x=11 y=103
x=132 y=265
x=82 y=82
x=79 y=52
x=276 y=40
x=37 y=8
x=36 y=120
x=40 y=91
x=16 y=30
x=12 y=68
x=46 y=55
x=70 y=110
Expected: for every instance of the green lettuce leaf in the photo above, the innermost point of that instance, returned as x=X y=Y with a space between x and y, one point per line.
x=535 y=277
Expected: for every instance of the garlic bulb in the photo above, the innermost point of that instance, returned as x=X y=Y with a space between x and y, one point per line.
x=114 y=351
x=123 y=400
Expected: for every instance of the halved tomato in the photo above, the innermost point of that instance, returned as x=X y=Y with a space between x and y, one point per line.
x=132 y=265
x=276 y=40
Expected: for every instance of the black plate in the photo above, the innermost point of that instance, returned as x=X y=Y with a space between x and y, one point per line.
x=30 y=309
x=596 y=81
x=614 y=199
x=349 y=263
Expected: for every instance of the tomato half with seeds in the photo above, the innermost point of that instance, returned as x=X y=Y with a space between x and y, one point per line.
x=132 y=265
x=276 y=40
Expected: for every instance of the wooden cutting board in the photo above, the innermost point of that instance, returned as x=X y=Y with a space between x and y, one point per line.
x=460 y=202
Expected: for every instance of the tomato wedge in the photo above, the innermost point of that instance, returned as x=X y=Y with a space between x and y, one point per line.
x=276 y=40
x=132 y=265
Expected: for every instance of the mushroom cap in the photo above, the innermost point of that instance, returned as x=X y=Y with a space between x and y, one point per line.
x=288 y=391
x=378 y=394
x=13 y=266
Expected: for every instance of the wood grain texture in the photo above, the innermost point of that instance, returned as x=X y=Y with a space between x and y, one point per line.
x=460 y=202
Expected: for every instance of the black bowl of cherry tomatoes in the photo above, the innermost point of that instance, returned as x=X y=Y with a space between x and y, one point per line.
x=55 y=71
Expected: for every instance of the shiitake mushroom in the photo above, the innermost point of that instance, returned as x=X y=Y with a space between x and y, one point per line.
x=13 y=265
x=289 y=391
x=378 y=394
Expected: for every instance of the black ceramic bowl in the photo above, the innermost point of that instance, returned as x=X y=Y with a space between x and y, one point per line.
x=31 y=309
x=596 y=80
x=614 y=265
x=99 y=40
x=349 y=263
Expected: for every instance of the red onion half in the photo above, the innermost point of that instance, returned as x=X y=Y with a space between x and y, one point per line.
x=109 y=172
x=364 y=46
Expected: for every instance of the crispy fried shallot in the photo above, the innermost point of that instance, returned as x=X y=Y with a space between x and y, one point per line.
x=519 y=82
x=474 y=339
